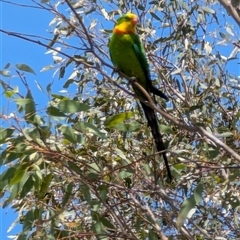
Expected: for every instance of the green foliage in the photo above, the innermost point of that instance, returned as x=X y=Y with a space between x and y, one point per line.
x=189 y=204
x=25 y=68
x=84 y=167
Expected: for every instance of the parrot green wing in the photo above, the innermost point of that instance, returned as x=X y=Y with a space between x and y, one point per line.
x=141 y=55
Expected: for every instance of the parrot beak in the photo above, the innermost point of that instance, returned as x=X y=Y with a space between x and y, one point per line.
x=135 y=20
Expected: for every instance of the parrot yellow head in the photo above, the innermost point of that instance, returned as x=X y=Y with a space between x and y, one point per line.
x=126 y=24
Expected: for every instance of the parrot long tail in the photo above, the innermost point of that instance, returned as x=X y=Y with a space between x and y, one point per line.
x=153 y=124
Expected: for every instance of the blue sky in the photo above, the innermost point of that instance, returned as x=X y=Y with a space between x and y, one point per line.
x=15 y=51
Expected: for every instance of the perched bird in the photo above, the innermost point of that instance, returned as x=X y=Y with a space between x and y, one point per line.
x=128 y=55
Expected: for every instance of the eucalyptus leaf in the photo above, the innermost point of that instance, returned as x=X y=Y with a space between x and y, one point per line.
x=25 y=68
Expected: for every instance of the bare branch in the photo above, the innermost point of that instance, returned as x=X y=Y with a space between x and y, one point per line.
x=232 y=11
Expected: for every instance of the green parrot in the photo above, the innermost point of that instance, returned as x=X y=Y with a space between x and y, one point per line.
x=128 y=55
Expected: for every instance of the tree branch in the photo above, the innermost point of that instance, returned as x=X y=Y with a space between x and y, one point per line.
x=193 y=128
x=231 y=10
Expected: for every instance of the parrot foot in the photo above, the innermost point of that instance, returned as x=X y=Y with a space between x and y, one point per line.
x=132 y=80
